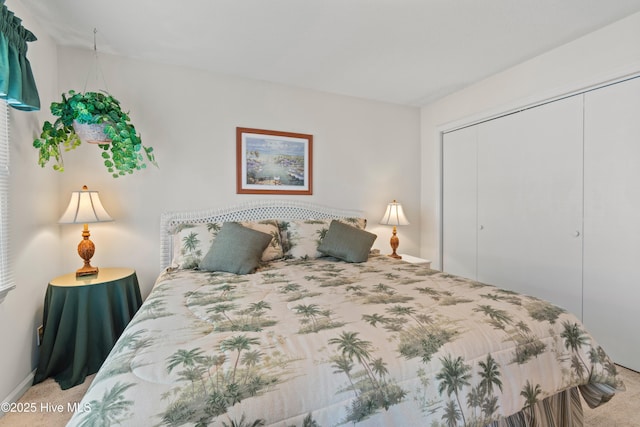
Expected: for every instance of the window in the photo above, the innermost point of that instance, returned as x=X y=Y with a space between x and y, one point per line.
x=6 y=274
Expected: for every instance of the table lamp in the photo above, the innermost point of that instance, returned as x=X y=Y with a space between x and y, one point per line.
x=85 y=207
x=394 y=215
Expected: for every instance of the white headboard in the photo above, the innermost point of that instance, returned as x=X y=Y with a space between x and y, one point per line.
x=249 y=211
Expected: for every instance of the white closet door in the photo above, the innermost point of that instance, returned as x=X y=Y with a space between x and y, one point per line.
x=612 y=220
x=530 y=202
x=459 y=202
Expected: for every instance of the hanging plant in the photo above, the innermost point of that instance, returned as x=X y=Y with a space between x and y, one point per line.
x=122 y=149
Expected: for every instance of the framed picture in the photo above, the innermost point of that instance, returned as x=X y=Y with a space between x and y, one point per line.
x=272 y=162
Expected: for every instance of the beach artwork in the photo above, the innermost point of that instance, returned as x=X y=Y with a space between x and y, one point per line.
x=273 y=162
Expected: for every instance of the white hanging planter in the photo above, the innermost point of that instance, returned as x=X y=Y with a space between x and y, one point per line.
x=92 y=133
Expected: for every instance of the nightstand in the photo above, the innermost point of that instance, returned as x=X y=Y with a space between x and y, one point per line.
x=83 y=317
x=416 y=260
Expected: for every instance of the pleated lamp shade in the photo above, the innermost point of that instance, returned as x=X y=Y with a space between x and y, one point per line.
x=394 y=215
x=85 y=207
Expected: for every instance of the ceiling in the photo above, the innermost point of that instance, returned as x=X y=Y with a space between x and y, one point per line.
x=409 y=52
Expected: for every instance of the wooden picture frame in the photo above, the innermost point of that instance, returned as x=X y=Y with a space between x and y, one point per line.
x=273 y=162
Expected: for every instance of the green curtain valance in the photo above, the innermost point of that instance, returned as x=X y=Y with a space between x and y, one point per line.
x=17 y=85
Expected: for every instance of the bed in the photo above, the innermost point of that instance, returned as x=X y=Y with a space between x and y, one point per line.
x=309 y=339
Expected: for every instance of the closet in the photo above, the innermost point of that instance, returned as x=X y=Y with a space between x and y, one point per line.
x=542 y=202
x=512 y=202
x=612 y=219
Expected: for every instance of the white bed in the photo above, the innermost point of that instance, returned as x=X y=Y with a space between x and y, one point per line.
x=311 y=340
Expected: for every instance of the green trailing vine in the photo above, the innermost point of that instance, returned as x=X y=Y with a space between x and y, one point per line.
x=123 y=155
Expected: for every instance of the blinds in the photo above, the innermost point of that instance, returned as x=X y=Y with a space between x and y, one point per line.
x=6 y=274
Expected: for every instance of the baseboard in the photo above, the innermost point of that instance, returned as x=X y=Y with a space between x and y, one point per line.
x=19 y=390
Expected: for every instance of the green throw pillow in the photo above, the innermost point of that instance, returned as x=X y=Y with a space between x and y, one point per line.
x=236 y=249
x=347 y=243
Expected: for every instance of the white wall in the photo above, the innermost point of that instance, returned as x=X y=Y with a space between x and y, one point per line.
x=34 y=234
x=365 y=153
x=607 y=54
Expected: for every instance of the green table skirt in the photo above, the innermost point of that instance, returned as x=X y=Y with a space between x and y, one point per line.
x=81 y=325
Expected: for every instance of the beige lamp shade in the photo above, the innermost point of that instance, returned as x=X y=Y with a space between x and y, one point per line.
x=85 y=207
x=394 y=215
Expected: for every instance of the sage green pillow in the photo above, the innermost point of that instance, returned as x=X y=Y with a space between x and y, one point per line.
x=236 y=249
x=347 y=243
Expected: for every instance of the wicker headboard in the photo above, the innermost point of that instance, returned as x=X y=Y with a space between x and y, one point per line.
x=250 y=211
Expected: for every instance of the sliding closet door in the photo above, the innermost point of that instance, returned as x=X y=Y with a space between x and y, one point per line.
x=530 y=202
x=459 y=202
x=612 y=220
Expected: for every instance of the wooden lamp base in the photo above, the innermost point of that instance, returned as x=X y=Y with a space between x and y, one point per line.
x=395 y=242
x=86 y=249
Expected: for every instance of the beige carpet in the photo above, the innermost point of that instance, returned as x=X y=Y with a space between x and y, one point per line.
x=622 y=411
x=47 y=396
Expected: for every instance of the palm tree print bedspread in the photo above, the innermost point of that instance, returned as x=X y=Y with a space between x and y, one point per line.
x=326 y=343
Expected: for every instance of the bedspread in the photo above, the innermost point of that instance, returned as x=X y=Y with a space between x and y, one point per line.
x=325 y=343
